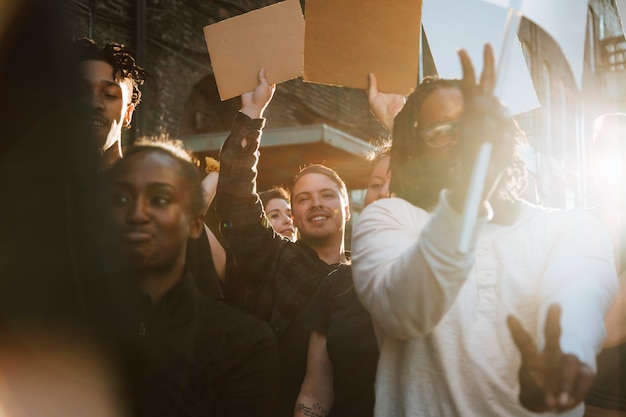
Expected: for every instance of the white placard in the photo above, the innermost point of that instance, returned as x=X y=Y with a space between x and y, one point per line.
x=487 y=24
x=621 y=8
x=566 y=22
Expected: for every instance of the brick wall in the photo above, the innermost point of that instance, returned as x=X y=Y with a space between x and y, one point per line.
x=176 y=59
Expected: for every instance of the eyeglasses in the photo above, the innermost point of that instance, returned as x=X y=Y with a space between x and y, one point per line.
x=440 y=134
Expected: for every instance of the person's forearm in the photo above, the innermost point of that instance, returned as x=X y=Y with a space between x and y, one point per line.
x=310 y=407
x=236 y=203
x=408 y=275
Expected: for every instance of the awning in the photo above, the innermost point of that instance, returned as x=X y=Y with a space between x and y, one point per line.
x=285 y=150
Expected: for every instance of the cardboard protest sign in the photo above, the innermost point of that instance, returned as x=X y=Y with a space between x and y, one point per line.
x=347 y=39
x=271 y=37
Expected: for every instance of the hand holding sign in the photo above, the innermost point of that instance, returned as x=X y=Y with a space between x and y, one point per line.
x=384 y=106
x=254 y=103
x=549 y=380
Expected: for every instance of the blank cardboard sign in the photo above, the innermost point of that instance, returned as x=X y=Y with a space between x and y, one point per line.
x=345 y=40
x=271 y=37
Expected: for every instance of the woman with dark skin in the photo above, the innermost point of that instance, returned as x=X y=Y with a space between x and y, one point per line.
x=190 y=355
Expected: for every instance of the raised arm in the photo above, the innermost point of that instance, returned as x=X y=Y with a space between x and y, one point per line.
x=254 y=103
x=384 y=106
x=236 y=201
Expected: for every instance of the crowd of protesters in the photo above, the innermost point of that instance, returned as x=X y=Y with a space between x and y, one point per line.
x=280 y=319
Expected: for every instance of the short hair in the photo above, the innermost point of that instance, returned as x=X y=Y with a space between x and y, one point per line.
x=121 y=58
x=328 y=172
x=275 y=192
x=407 y=177
x=186 y=161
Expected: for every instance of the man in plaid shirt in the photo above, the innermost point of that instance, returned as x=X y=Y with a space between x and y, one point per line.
x=281 y=276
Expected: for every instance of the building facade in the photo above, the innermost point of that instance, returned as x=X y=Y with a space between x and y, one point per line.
x=180 y=97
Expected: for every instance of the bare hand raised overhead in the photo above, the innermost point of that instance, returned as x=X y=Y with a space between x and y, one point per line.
x=384 y=106
x=254 y=103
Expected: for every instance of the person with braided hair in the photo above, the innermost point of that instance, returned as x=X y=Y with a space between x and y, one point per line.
x=111 y=79
x=450 y=318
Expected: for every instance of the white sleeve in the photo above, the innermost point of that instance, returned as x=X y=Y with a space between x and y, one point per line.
x=582 y=279
x=406 y=268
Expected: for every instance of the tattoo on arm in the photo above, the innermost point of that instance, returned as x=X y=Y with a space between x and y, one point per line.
x=316 y=410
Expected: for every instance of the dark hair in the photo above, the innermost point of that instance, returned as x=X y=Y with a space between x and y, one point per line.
x=186 y=161
x=408 y=180
x=275 y=192
x=119 y=57
x=324 y=170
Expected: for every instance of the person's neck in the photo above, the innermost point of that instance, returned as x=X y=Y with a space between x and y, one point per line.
x=505 y=212
x=111 y=155
x=330 y=251
x=159 y=282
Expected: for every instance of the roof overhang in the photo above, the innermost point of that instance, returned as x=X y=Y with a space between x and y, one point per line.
x=285 y=150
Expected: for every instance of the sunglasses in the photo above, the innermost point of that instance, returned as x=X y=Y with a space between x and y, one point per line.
x=440 y=134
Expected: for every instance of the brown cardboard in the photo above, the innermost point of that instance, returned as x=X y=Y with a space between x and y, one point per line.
x=271 y=37
x=345 y=40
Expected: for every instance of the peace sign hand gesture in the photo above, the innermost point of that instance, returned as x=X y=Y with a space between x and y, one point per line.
x=484 y=120
x=550 y=380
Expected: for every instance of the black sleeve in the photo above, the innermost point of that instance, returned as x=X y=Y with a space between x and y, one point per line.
x=237 y=204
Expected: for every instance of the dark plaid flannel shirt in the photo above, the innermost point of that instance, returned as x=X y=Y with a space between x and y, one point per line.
x=286 y=274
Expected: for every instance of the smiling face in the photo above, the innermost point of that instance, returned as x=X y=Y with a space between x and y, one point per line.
x=109 y=102
x=320 y=210
x=151 y=209
x=278 y=212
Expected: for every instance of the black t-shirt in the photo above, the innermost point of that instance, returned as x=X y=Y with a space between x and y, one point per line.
x=196 y=357
x=336 y=312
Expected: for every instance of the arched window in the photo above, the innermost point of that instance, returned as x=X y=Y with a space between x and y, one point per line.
x=204 y=112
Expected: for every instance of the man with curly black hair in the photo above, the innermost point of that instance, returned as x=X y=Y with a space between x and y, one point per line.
x=111 y=79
